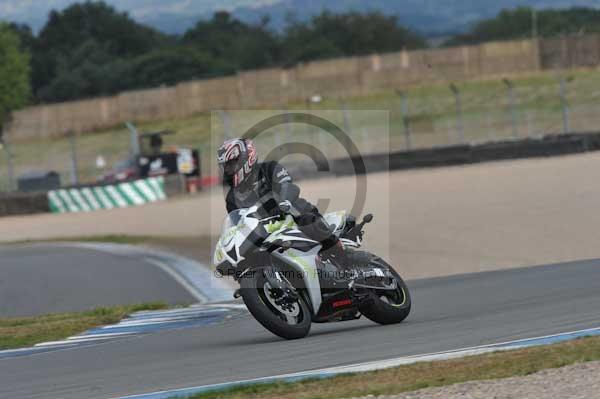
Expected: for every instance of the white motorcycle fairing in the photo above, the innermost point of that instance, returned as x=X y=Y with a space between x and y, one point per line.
x=240 y=224
x=305 y=263
x=234 y=235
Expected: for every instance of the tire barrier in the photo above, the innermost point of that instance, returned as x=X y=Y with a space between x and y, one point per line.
x=545 y=146
x=122 y=195
x=14 y=204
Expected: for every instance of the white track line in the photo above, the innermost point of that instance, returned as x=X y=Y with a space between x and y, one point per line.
x=177 y=277
x=370 y=366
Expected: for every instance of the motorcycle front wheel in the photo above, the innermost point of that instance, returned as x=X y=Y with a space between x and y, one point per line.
x=287 y=320
x=388 y=307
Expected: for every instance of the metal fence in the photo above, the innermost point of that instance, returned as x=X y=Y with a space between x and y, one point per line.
x=422 y=117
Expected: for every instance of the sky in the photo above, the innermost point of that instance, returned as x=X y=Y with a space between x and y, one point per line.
x=175 y=16
x=35 y=12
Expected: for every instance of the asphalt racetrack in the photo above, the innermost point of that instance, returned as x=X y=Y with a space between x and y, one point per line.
x=41 y=279
x=449 y=313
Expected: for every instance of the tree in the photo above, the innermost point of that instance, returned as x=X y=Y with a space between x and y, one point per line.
x=235 y=43
x=518 y=24
x=170 y=66
x=14 y=73
x=89 y=49
x=90 y=28
x=26 y=37
x=89 y=70
x=332 y=35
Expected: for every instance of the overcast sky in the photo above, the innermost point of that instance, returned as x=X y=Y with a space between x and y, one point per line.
x=35 y=12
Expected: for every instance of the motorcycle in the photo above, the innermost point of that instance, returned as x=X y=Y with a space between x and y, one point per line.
x=285 y=283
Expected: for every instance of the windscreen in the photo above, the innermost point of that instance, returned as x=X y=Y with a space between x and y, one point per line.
x=231 y=220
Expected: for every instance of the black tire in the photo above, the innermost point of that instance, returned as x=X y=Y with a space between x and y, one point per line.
x=267 y=315
x=395 y=309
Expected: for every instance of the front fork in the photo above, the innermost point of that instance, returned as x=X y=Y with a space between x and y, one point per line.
x=278 y=281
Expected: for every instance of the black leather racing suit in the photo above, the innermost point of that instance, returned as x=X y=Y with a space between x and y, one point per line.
x=266 y=188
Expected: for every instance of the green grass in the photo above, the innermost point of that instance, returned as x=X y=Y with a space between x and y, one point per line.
x=27 y=331
x=424 y=375
x=432 y=120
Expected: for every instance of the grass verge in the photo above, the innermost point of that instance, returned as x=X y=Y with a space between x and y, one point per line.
x=27 y=331
x=425 y=375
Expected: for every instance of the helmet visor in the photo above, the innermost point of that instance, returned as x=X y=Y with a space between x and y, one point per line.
x=232 y=166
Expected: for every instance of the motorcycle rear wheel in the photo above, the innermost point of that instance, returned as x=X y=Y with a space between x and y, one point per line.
x=294 y=324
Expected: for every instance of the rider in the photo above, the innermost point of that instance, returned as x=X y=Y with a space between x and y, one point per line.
x=251 y=182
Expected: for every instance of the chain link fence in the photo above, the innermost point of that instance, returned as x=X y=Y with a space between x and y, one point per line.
x=423 y=117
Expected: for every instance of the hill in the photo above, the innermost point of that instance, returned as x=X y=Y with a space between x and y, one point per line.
x=432 y=17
